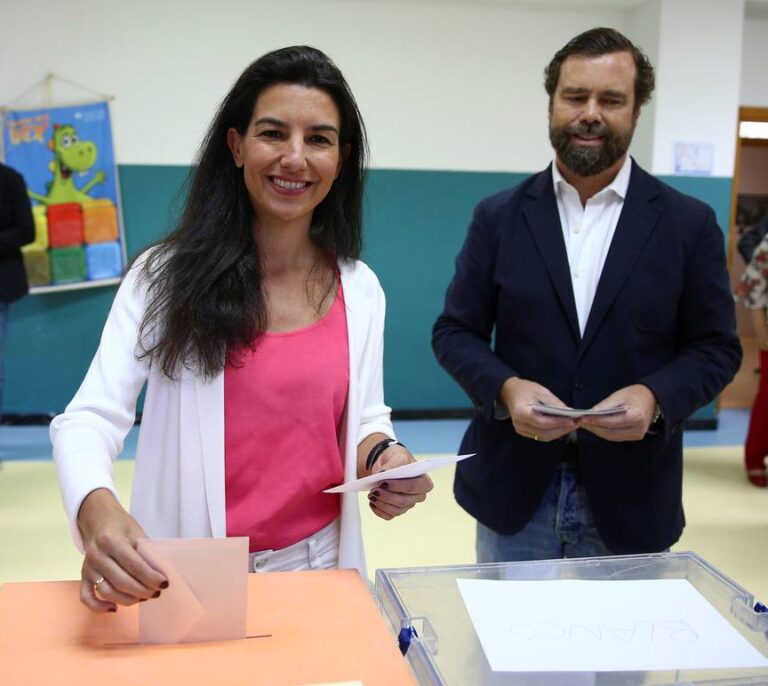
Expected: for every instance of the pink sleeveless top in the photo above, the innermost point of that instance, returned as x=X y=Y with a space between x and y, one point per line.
x=283 y=410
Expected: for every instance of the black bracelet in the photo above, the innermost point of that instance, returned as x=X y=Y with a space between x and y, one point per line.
x=377 y=450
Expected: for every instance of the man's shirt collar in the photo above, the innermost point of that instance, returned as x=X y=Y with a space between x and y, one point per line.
x=619 y=185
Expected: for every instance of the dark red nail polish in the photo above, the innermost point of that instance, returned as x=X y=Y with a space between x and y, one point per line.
x=375 y=494
x=164 y=585
x=112 y=609
x=156 y=594
x=372 y=498
x=384 y=485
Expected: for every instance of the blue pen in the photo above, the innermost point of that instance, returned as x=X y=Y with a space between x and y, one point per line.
x=759 y=607
x=404 y=638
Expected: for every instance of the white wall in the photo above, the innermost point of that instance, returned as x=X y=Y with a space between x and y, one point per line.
x=455 y=86
x=698 y=80
x=754 y=75
x=645 y=22
x=442 y=85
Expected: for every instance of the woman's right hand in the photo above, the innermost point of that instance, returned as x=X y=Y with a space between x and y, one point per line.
x=113 y=572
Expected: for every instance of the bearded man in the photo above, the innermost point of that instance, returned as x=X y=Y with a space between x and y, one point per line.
x=591 y=285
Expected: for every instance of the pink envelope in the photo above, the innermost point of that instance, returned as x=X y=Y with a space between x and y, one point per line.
x=206 y=598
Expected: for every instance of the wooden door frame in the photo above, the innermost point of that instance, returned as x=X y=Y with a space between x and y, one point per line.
x=745 y=114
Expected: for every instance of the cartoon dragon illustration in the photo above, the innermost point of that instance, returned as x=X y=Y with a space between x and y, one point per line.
x=70 y=155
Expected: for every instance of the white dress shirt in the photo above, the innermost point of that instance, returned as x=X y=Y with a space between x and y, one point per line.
x=588 y=232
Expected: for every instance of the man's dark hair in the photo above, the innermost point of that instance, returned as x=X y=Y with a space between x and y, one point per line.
x=603 y=41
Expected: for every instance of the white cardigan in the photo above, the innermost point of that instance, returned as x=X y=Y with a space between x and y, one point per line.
x=178 y=487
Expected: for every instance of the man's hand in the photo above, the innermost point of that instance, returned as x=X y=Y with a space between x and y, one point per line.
x=631 y=425
x=518 y=396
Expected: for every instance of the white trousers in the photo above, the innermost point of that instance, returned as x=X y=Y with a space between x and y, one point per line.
x=318 y=551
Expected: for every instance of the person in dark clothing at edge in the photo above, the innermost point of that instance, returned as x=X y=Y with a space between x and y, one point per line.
x=16 y=229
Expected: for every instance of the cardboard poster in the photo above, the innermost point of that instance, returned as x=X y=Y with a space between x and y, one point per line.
x=67 y=159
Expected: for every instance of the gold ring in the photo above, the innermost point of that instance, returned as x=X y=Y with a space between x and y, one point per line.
x=96 y=584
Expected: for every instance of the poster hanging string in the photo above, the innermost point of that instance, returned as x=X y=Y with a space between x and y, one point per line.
x=45 y=87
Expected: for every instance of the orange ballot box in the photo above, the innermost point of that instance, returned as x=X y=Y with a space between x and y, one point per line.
x=319 y=627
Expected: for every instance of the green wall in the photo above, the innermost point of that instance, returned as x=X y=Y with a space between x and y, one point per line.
x=415 y=224
x=53 y=336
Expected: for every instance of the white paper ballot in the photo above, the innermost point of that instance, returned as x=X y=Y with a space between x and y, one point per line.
x=407 y=471
x=573 y=413
x=602 y=626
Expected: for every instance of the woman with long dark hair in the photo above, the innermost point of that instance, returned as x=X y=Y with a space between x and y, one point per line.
x=259 y=334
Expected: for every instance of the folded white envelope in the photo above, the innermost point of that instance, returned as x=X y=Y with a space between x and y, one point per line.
x=206 y=598
x=406 y=471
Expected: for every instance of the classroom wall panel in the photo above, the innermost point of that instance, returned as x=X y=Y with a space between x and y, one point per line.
x=415 y=223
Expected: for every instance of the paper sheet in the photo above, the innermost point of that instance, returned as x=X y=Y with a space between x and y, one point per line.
x=574 y=413
x=206 y=598
x=597 y=626
x=407 y=471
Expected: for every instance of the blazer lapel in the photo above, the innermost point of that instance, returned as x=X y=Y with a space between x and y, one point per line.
x=639 y=217
x=544 y=224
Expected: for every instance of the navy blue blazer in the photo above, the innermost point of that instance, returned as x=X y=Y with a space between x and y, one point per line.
x=662 y=316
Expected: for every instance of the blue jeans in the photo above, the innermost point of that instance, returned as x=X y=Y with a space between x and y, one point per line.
x=3 y=334
x=561 y=527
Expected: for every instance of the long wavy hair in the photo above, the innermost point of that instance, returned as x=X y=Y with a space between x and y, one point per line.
x=205 y=298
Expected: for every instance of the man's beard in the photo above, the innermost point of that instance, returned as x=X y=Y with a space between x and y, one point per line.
x=586 y=160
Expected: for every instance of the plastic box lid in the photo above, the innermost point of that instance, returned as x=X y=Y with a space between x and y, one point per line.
x=445 y=649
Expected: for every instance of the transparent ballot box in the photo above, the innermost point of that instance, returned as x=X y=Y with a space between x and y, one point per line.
x=425 y=609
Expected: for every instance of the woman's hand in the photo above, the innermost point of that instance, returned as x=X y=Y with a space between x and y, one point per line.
x=113 y=572
x=394 y=497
